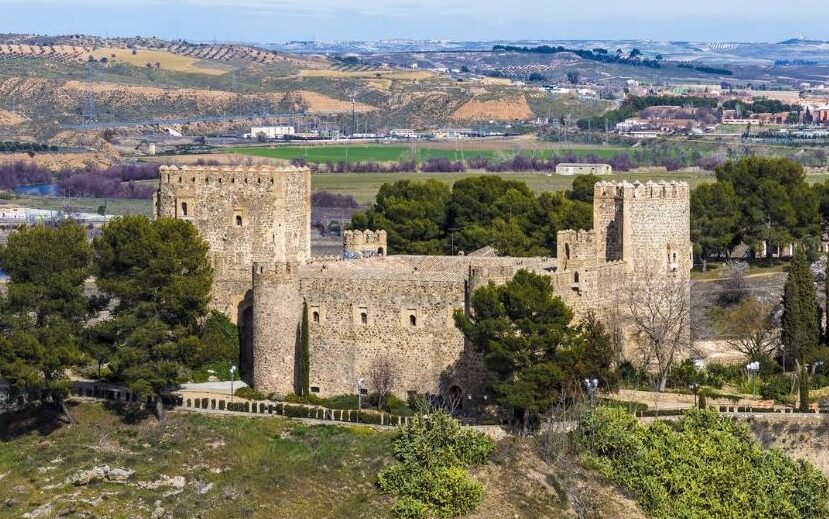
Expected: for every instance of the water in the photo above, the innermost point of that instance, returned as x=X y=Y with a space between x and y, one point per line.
x=50 y=189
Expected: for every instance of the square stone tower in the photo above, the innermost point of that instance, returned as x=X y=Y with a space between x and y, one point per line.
x=247 y=215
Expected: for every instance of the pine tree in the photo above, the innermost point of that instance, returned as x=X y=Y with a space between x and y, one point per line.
x=801 y=318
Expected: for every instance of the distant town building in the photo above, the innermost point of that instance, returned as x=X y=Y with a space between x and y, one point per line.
x=572 y=168
x=403 y=133
x=271 y=132
x=12 y=212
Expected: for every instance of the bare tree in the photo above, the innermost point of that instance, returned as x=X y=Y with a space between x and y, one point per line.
x=749 y=328
x=660 y=308
x=381 y=378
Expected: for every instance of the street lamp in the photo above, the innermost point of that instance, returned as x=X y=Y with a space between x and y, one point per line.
x=694 y=387
x=360 y=386
x=232 y=376
x=753 y=369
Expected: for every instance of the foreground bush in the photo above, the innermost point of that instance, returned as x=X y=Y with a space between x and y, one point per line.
x=430 y=477
x=703 y=466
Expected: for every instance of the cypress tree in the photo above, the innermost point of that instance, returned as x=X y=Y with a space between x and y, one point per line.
x=801 y=318
x=304 y=354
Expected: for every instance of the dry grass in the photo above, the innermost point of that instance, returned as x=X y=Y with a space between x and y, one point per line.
x=405 y=75
x=505 y=109
x=167 y=60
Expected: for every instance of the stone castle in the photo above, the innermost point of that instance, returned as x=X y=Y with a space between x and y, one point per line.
x=366 y=304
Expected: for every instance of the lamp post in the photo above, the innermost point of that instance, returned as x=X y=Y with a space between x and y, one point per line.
x=694 y=387
x=753 y=369
x=232 y=376
x=360 y=386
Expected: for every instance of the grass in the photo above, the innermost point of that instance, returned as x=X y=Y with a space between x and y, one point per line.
x=363 y=186
x=257 y=467
x=386 y=153
x=167 y=60
x=759 y=266
x=116 y=206
x=251 y=468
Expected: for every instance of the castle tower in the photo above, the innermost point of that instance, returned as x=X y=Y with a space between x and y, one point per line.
x=246 y=214
x=646 y=225
x=365 y=243
x=277 y=314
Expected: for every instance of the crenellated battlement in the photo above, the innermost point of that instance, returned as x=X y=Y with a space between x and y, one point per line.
x=662 y=189
x=576 y=248
x=260 y=175
x=362 y=242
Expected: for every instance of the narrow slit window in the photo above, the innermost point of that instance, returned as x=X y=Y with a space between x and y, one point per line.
x=412 y=320
x=238 y=221
x=184 y=209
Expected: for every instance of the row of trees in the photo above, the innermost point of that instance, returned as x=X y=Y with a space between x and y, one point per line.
x=431 y=218
x=148 y=323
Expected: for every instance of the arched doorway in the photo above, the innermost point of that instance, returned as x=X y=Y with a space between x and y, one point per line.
x=245 y=323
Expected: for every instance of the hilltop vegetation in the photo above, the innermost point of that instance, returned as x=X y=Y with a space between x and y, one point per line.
x=704 y=467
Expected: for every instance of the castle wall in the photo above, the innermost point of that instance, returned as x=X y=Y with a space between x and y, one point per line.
x=356 y=320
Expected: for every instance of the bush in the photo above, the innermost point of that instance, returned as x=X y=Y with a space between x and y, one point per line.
x=217 y=368
x=249 y=393
x=704 y=465
x=776 y=387
x=219 y=339
x=430 y=476
x=340 y=402
x=309 y=399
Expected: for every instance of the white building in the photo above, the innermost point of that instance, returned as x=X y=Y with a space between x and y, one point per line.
x=572 y=168
x=271 y=132
x=12 y=212
x=403 y=133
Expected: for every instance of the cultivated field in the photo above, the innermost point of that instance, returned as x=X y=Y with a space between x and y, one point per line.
x=363 y=186
x=383 y=153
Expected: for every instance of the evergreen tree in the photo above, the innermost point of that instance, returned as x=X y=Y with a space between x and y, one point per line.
x=160 y=276
x=44 y=309
x=530 y=346
x=801 y=318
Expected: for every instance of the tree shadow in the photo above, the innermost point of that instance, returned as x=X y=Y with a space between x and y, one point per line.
x=129 y=413
x=41 y=418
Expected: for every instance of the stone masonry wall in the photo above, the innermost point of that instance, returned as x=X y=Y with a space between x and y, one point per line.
x=247 y=215
x=355 y=321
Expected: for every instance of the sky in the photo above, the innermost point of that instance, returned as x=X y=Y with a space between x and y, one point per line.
x=331 y=20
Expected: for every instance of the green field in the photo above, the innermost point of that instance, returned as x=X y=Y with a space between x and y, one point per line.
x=363 y=186
x=118 y=206
x=387 y=153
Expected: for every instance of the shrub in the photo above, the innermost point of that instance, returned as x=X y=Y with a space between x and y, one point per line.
x=340 y=402
x=219 y=340
x=309 y=399
x=776 y=387
x=704 y=465
x=430 y=476
x=249 y=393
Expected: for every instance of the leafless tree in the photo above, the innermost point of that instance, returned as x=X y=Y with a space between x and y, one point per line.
x=660 y=309
x=381 y=378
x=749 y=328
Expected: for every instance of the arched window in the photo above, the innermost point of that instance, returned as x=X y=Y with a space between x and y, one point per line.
x=575 y=277
x=412 y=320
x=316 y=317
x=380 y=251
x=238 y=220
x=363 y=318
x=184 y=209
